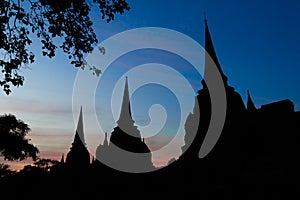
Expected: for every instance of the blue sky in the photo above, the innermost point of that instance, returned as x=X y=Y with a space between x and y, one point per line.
x=257 y=43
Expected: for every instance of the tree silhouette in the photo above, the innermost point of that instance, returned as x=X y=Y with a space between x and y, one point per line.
x=4 y=170
x=48 y=20
x=13 y=144
x=46 y=163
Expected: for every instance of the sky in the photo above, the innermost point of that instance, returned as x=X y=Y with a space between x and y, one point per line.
x=257 y=44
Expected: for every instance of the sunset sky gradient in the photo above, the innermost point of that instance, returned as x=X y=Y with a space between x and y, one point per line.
x=257 y=44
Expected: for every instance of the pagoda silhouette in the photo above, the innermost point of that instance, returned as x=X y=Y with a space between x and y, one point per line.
x=126 y=150
x=222 y=159
x=78 y=158
x=258 y=148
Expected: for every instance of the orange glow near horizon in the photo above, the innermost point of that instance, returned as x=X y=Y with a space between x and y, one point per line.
x=54 y=146
x=19 y=165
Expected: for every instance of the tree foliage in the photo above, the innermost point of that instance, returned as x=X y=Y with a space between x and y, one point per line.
x=5 y=170
x=46 y=163
x=47 y=20
x=13 y=142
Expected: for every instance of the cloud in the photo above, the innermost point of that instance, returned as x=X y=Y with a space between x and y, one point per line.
x=33 y=106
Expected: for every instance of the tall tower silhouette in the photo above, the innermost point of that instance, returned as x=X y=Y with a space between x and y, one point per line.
x=125 y=118
x=126 y=147
x=210 y=54
x=224 y=154
x=78 y=158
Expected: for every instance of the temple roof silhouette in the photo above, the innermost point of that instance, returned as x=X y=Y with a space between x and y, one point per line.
x=126 y=147
x=78 y=156
x=210 y=54
x=280 y=107
x=125 y=117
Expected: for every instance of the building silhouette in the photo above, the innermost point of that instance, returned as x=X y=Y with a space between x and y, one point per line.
x=78 y=158
x=126 y=149
x=223 y=158
x=258 y=148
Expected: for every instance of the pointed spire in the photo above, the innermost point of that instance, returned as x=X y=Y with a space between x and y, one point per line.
x=62 y=159
x=250 y=105
x=125 y=118
x=196 y=106
x=105 y=143
x=78 y=157
x=210 y=51
x=79 y=135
